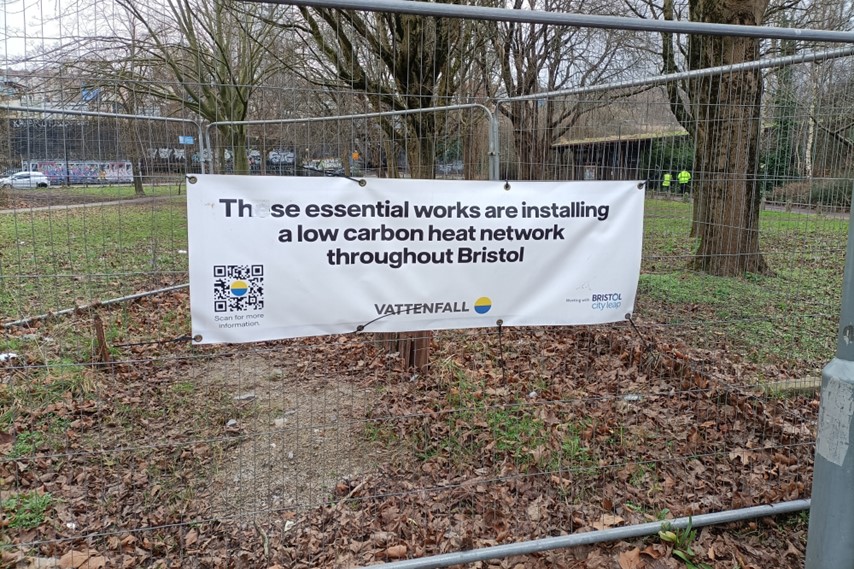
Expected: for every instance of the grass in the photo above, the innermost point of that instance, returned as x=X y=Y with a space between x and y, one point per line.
x=123 y=191
x=511 y=430
x=53 y=260
x=26 y=510
x=789 y=317
x=26 y=443
x=25 y=402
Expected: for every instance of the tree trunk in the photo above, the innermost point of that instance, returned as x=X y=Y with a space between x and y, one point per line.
x=475 y=135
x=727 y=197
x=421 y=147
x=529 y=140
x=238 y=143
x=137 y=180
x=815 y=69
x=414 y=347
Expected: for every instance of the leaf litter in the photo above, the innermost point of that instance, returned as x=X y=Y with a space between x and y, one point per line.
x=537 y=433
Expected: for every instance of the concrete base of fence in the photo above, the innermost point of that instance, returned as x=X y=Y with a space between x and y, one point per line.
x=806 y=385
x=832 y=517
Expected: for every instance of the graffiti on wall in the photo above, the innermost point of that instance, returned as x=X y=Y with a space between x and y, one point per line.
x=83 y=171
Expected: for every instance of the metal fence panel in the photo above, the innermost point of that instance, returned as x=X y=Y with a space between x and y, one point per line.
x=123 y=445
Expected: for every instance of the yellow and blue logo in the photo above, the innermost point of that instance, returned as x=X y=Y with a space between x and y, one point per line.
x=482 y=305
x=239 y=287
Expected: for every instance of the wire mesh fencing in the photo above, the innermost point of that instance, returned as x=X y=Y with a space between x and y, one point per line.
x=121 y=444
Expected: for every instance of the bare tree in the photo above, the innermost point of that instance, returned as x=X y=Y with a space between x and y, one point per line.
x=534 y=58
x=206 y=57
x=722 y=115
x=397 y=62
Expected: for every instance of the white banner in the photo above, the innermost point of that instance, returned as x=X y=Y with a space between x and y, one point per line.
x=283 y=257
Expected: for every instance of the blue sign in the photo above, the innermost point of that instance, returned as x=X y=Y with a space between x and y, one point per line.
x=185 y=140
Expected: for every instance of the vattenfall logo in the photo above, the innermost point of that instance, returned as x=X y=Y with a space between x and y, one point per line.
x=239 y=287
x=481 y=306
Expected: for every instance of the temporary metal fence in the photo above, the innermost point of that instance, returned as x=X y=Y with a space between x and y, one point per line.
x=123 y=445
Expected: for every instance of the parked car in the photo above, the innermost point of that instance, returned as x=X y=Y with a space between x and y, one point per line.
x=25 y=181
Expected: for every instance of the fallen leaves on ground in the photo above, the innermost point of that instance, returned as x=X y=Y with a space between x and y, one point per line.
x=533 y=434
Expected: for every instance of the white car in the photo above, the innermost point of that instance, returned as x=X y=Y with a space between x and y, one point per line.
x=25 y=181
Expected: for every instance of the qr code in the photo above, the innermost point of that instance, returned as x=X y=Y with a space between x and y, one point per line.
x=238 y=288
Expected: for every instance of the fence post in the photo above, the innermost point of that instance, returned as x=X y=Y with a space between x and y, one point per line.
x=494 y=148
x=829 y=542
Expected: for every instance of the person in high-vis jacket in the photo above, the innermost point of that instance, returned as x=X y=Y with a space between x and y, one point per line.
x=683 y=178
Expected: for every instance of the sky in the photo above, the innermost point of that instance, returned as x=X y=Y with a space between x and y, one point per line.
x=26 y=26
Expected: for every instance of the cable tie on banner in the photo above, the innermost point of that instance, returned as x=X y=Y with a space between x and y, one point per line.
x=361 y=327
x=361 y=181
x=173 y=340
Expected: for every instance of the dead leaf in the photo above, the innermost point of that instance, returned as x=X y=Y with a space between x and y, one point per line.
x=534 y=510
x=607 y=521
x=656 y=550
x=792 y=550
x=595 y=560
x=395 y=552
x=73 y=559
x=37 y=563
x=742 y=454
x=191 y=538
x=631 y=559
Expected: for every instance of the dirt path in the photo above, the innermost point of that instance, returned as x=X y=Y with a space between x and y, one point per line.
x=56 y=201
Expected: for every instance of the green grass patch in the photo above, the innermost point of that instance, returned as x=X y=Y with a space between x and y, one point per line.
x=184 y=388
x=26 y=510
x=57 y=259
x=516 y=432
x=26 y=443
x=43 y=386
x=789 y=316
x=480 y=425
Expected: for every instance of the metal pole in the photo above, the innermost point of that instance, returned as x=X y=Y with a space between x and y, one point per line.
x=593 y=537
x=443 y=10
x=65 y=152
x=830 y=542
x=494 y=147
x=806 y=57
x=31 y=319
x=201 y=147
